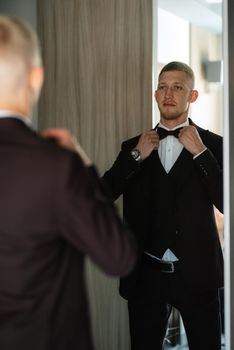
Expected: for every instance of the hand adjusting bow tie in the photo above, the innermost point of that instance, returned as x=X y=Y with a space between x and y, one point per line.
x=164 y=133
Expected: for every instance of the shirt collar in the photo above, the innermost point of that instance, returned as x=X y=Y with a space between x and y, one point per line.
x=186 y=123
x=15 y=115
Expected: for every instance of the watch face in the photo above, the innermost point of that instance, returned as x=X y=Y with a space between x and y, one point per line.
x=136 y=154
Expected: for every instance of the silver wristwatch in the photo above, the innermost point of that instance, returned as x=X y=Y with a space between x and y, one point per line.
x=135 y=153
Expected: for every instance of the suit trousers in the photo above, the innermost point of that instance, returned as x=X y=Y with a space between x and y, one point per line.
x=150 y=306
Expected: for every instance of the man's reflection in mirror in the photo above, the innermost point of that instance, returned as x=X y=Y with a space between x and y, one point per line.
x=171 y=179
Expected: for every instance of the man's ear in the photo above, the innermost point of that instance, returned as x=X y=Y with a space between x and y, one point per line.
x=194 y=96
x=36 y=79
x=155 y=95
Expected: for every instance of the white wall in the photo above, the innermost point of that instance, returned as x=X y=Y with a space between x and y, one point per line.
x=207 y=111
x=179 y=40
x=172 y=45
x=173 y=38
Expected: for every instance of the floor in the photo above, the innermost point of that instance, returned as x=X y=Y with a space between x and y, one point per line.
x=184 y=345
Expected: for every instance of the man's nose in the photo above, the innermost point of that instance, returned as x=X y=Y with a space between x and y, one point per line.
x=169 y=92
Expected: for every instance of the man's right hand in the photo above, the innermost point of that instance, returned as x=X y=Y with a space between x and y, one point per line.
x=148 y=142
x=65 y=139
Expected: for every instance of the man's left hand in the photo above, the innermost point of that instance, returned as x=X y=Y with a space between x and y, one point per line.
x=191 y=140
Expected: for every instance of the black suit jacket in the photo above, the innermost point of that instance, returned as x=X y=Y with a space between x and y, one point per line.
x=53 y=211
x=199 y=187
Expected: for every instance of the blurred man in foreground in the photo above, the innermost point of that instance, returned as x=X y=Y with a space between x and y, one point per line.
x=53 y=211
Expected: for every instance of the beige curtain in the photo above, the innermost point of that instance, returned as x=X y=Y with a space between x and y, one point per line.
x=98 y=64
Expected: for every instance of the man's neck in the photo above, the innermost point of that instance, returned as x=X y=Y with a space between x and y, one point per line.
x=171 y=124
x=15 y=110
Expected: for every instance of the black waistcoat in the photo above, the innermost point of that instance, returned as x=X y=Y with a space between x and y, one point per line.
x=165 y=188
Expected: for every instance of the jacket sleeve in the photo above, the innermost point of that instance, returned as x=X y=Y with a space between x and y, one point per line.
x=90 y=222
x=211 y=172
x=121 y=172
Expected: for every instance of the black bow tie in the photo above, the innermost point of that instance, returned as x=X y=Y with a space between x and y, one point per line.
x=164 y=133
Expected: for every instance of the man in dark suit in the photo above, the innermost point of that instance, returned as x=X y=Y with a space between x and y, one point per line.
x=170 y=178
x=53 y=211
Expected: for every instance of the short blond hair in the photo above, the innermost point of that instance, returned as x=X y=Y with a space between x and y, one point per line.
x=17 y=39
x=19 y=53
x=181 y=67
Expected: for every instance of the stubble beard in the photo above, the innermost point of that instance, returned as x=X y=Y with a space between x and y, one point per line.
x=173 y=116
x=170 y=116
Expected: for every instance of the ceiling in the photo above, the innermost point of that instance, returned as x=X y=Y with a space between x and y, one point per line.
x=198 y=12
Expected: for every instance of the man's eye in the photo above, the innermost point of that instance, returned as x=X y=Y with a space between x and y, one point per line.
x=161 y=87
x=178 y=88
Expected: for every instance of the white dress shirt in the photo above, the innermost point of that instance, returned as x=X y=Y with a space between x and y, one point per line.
x=170 y=148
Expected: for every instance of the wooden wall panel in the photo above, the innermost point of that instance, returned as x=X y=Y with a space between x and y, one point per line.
x=98 y=64
x=98 y=61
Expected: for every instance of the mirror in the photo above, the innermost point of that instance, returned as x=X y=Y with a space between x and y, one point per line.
x=187 y=30
x=191 y=31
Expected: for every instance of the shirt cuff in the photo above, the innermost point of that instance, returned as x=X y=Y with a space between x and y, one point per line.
x=197 y=155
